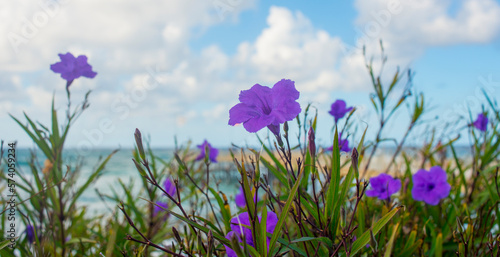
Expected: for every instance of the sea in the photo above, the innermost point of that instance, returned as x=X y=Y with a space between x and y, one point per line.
x=121 y=167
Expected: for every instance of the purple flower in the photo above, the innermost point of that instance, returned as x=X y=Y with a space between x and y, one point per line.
x=383 y=186
x=229 y=251
x=159 y=208
x=241 y=231
x=343 y=145
x=213 y=152
x=339 y=110
x=169 y=187
x=30 y=233
x=240 y=199
x=430 y=186
x=72 y=68
x=481 y=122
x=263 y=106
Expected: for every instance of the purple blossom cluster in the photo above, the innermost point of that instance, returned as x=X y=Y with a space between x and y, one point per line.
x=428 y=186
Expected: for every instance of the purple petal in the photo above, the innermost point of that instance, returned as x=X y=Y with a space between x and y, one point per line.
x=394 y=186
x=339 y=106
x=286 y=112
x=437 y=174
x=241 y=113
x=420 y=178
x=242 y=218
x=284 y=106
x=89 y=74
x=240 y=199
x=442 y=190
x=213 y=154
x=481 y=122
x=229 y=251
x=271 y=221
x=169 y=187
x=344 y=145
x=418 y=193
x=257 y=123
x=236 y=226
x=256 y=96
x=59 y=67
x=431 y=198
x=162 y=206
x=67 y=58
x=372 y=193
x=30 y=233
x=338 y=109
x=274 y=128
x=285 y=90
x=213 y=151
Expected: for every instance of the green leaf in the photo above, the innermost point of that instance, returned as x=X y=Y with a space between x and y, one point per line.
x=411 y=239
x=55 y=126
x=292 y=247
x=5 y=243
x=78 y=240
x=331 y=196
x=324 y=240
x=219 y=237
x=390 y=244
x=409 y=250
x=284 y=213
x=262 y=239
x=39 y=142
x=226 y=214
x=438 y=244
x=365 y=238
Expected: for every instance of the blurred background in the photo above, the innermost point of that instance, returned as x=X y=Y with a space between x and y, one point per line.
x=175 y=68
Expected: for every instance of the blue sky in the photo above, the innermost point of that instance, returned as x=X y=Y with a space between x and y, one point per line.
x=202 y=56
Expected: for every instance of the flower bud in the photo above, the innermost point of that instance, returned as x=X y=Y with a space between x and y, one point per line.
x=312 y=143
x=138 y=141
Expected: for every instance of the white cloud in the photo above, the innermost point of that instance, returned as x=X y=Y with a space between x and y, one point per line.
x=409 y=27
x=150 y=77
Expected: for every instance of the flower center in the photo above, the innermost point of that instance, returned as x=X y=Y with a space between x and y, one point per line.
x=266 y=107
x=430 y=187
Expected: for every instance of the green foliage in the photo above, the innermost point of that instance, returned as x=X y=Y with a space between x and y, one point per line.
x=318 y=196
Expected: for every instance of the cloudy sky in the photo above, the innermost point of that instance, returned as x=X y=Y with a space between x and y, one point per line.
x=175 y=68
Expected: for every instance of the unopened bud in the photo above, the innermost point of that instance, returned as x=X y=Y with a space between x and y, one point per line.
x=138 y=141
x=176 y=235
x=312 y=143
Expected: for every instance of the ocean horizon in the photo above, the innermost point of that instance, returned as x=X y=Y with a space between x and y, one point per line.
x=121 y=167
